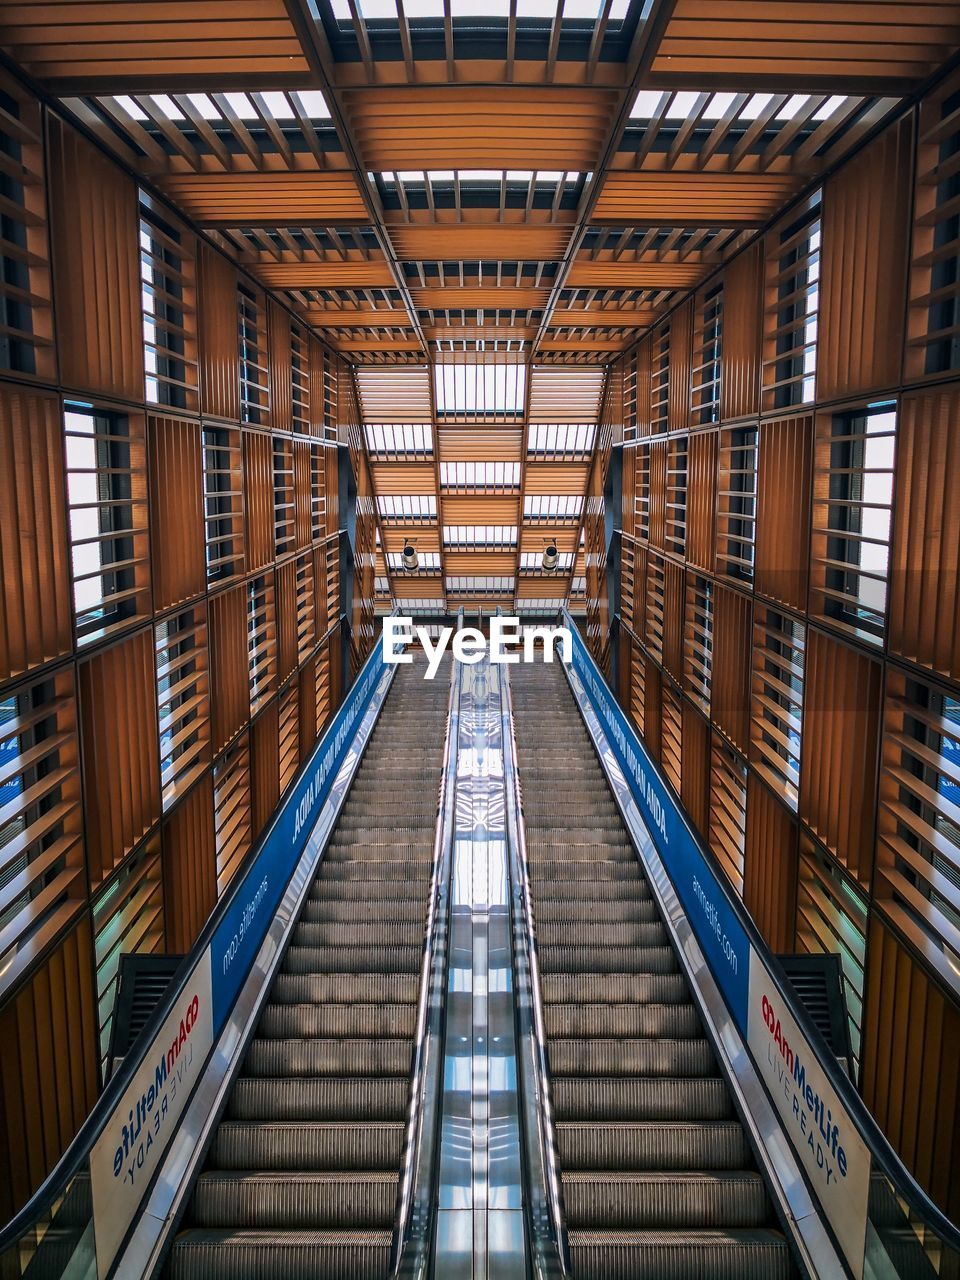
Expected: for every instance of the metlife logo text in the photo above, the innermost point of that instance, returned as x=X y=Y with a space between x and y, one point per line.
x=509 y=642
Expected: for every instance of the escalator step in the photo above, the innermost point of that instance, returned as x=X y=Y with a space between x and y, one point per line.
x=328 y=909
x=584 y=910
x=369 y=1057
x=346 y=988
x=633 y=1201
x=655 y=1056
x=602 y=933
x=357 y=877
x=600 y=959
x=614 y=988
x=300 y=1201
x=343 y=1098
x=352 y=959
x=674 y=1021
x=641 y=1098
x=204 y=1254
x=575 y=868
x=296 y=1145
x=346 y=933
x=718 y=1144
x=686 y=1255
x=292 y=1021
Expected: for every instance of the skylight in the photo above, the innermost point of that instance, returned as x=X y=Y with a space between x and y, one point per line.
x=541 y=606
x=552 y=507
x=480 y=585
x=473 y=536
x=481 y=177
x=372 y=10
x=393 y=438
x=407 y=506
x=480 y=475
x=480 y=388
x=683 y=105
x=547 y=438
x=276 y=103
x=418 y=604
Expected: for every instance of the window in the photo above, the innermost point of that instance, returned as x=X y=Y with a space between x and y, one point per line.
x=41 y=850
x=675 y=511
x=232 y=811
x=561 y=441
x=707 y=357
x=778 y=652
x=168 y=301
x=552 y=508
x=284 y=497
x=793 y=280
x=261 y=639
x=698 y=641
x=642 y=492
x=223 y=502
x=318 y=492
x=398 y=441
x=478 y=390
x=289 y=712
x=630 y=400
x=853 y=495
x=470 y=537
x=252 y=334
x=108 y=518
x=671 y=737
x=660 y=380
x=480 y=585
x=408 y=507
x=300 y=378
x=936 y=348
x=306 y=612
x=728 y=808
x=628 y=580
x=183 y=702
x=488 y=477
x=737 y=503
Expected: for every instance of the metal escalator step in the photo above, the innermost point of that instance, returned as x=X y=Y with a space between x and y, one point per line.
x=364 y=835
x=352 y=959
x=346 y=989
x=583 y=910
x=330 y=908
x=295 y=1201
x=292 y=1021
x=368 y=1057
x=367 y=818
x=633 y=1201
x=544 y=811
x=600 y=933
x=686 y=1255
x=600 y=959
x=345 y=933
x=296 y=1145
x=621 y=1057
x=613 y=988
x=555 y=850
x=675 y=1021
x=359 y=876
x=603 y=832
x=339 y=1098
x=641 y=1098
x=719 y=1144
x=556 y=892
x=596 y=871
x=203 y=1254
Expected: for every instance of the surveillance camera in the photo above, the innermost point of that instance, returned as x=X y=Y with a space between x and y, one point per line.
x=551 y=557
x=410 y=561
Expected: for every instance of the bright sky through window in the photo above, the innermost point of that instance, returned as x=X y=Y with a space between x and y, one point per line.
x=480 y=388
x=373 y=10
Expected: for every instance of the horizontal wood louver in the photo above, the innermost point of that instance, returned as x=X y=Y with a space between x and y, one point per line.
x=323 y=691
x=791 y=307
x=730 y=680
x=924 y=615
x=708 y=365
x=840 y=743
x=261 y=639
x=183 y=700
x=168 y=280
x=284 y=498
x=289 y=731
x=223 y=488
x=695 y=780
x=852 y=500
x=107 y=496
x=832 y=920
x=641 y=456
x=127 y=920
x=189 y=866
x=657 y=491
x=26 y=335
x=48 y=1048
x=671 y=736
x=231 y=675
x=299 y=378
x=233 y=829
x=660 y=352
x=121 y=775
x=41 y=835
x=260 y=496
x=737 y=503
x=776 y=719
x=770 y=866
x=177 y=515
x=698 y=638
x=265 y=763
x=783 y=510
x=728 y=803
x=35 y=620
x=303 y=492
x=675 y=504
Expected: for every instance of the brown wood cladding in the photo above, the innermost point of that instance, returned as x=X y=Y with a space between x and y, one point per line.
x=258 y=491
x=121 y=766
x=702 y=499
x=784 y=461
x=48 y=1065
x=35 y=620
x=838 y=775
x=96 y=268
x=740 y=379
x=178 y=566
x=924 y=615
x=866 y=209
x=695 y=773
x=219 y=350
x=265 y=763
x=911 y=1044
x=771 y=862
x=229 y=668
x=730 y=689
x=280 y=369
x=681 y=366
x=189 y=866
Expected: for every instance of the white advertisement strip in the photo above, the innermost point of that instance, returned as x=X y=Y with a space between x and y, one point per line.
x=835 y=1157
x=136 y=1135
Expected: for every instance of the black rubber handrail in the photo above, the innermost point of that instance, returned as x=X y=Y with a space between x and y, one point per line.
x=885 y=1157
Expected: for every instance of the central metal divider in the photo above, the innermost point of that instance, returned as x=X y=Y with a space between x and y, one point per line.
x=480 y=1213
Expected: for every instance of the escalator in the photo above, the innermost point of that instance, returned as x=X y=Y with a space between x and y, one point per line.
x=302 y=1176
x=657 y=1174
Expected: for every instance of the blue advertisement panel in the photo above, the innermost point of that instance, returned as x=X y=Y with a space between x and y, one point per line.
x=243 y=928
x=721 y=936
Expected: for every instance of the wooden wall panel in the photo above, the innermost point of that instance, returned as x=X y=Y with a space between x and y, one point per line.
x=695 y=777
x=702 y=499
x=280 y=367
x=121 y=765
x=730 y=690
x=287 y=618
x=784 y=463
x=219 y=344
x=838 y=768
x=189 y=866
x=681 y=360
x=742 y=314
x=229 y=665
x=35 y=619
x=48 y=1066
x=265 y=763
x=771 y=862
x=909 y=1080
x=96 y=268
x=177 y=559
x=258 y=491
x=863 y=281
x=924 y=613
x=658 y=492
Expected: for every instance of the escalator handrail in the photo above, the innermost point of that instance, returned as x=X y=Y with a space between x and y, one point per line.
x=882 y=1153
x=410 y=1246
x=550 y=1246
x=70 y=1163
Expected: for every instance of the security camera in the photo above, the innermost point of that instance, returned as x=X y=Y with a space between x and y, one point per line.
x=551 y=557
x=409 y=560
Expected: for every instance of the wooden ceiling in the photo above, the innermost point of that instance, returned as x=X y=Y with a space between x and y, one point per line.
x=511 y=183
